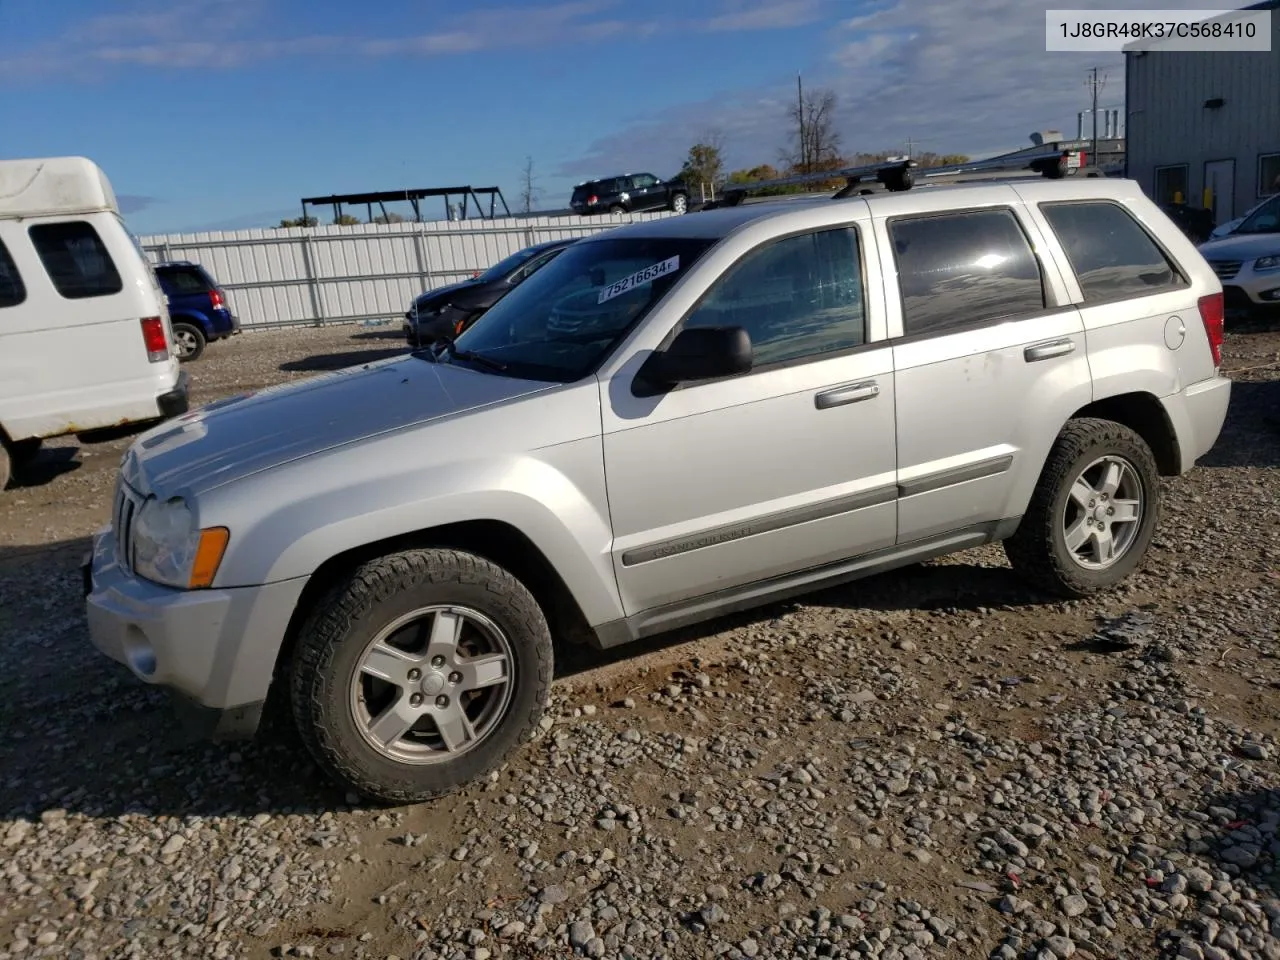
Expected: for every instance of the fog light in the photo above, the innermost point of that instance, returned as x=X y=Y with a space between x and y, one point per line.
x=1271 y=295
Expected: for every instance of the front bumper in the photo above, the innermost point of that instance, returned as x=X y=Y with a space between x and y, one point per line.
x=215 y=650
x=177 y=401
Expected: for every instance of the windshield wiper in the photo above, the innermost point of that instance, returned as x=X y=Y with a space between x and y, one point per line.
x=468 y=357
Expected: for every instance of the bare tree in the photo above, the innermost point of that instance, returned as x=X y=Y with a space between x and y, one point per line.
x=815 y=142
x=529 y=191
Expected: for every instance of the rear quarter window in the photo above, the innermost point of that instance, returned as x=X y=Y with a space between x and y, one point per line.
x=76 y=259
x=1112 y=254
x=12 y=291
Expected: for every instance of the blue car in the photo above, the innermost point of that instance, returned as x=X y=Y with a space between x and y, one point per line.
x=198 y=308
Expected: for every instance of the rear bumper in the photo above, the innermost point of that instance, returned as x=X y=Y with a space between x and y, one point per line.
x=1197 y=415
x=175 y=402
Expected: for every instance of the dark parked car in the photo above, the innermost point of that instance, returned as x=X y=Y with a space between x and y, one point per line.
x=198 y=308
x=631 y=193
x=1195 y=222
x=447 y=311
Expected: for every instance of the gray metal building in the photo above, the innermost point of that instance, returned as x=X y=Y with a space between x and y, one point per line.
x=1204 y=127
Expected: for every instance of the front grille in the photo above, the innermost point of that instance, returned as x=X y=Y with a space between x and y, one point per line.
x=126 y=508
x=1225 y=269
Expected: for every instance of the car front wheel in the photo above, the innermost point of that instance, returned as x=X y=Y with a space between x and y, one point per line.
x=1093 y=513
x=419 y=673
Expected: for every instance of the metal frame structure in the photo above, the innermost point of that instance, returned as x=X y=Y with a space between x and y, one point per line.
x=902 y=173
x=468 y=194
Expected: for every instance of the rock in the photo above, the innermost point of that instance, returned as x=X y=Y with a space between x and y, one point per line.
x=581 y=933
x=1074 y=905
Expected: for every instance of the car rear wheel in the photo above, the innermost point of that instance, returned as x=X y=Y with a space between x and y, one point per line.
x=679 y=203
x=1094 y=511
x=420 y=672
x=189 y=340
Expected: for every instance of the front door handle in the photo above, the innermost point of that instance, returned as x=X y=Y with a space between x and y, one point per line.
x=1047 y=351
x=839 y=396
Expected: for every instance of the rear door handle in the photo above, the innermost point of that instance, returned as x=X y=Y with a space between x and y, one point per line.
x=853 y=393
x=1047 y=351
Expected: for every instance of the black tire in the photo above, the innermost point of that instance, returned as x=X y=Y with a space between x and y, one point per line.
x=617 y=208
x=196 y=338
x=1038 y=550
x=22 y=452
x=335 y=636
x=675 y=203
x=6 y=466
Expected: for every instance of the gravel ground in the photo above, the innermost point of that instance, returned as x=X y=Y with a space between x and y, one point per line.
x=931 y=763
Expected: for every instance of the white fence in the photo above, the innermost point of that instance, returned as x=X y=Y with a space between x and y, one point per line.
x=318 y=275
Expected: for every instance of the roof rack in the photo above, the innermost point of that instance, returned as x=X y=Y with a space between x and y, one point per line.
x=902 y=173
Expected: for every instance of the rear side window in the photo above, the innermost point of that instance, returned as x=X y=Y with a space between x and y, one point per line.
x=183 y=281
x=1110 y=252
x=12 y=292
x=958 y=269
x=76 y=260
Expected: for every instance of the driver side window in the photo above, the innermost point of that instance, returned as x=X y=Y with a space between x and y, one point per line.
x=798 y=298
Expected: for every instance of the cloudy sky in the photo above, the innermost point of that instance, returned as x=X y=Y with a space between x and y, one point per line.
x=223 y=113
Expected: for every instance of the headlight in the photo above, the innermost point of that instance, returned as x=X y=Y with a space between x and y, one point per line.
x=169 y=549
x=1267 y=263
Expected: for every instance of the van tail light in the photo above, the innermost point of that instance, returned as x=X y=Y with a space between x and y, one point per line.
x=593 y=199
x=153 y=336
x=217 y=300
x=457 y=327
x=1212 y=314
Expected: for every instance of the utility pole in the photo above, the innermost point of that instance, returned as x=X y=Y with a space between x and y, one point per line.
x=804 y=144
x=1095 y=85
x=910 y=143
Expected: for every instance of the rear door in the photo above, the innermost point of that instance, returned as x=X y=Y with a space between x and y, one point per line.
x=989 y=360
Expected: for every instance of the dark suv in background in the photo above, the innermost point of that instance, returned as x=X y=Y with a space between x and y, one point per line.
x=198 y=308
x=630 y=193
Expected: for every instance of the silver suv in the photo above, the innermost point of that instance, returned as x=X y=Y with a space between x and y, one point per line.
x=672 y=420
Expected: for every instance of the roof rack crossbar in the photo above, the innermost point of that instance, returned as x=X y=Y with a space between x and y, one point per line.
x=901 y=173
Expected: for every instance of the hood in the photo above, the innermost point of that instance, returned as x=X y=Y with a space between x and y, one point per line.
x=1242 y=246
x=448 y=288
x=234 y=438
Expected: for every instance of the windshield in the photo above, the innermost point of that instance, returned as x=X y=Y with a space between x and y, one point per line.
x=503 y=267
x=564 y=320
x=1266 y=219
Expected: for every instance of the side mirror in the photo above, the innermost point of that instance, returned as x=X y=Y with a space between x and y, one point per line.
x=698 y=353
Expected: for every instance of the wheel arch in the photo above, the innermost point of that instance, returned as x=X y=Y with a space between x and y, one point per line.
x=495 y=540
x=1145 y=415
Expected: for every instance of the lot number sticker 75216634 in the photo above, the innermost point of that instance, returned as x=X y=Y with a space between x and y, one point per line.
x=647 y=275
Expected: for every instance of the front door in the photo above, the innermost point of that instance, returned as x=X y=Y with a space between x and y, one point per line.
x=986 y=371
x=724 y=483
x=1220 y=185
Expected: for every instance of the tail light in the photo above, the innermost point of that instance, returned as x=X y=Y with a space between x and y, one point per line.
x=457 y=327
x=593 y=199
x=1212 y=314
x=153 y=336
x=217 y=299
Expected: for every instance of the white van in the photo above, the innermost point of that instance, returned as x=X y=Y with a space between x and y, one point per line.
x=85 y=339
